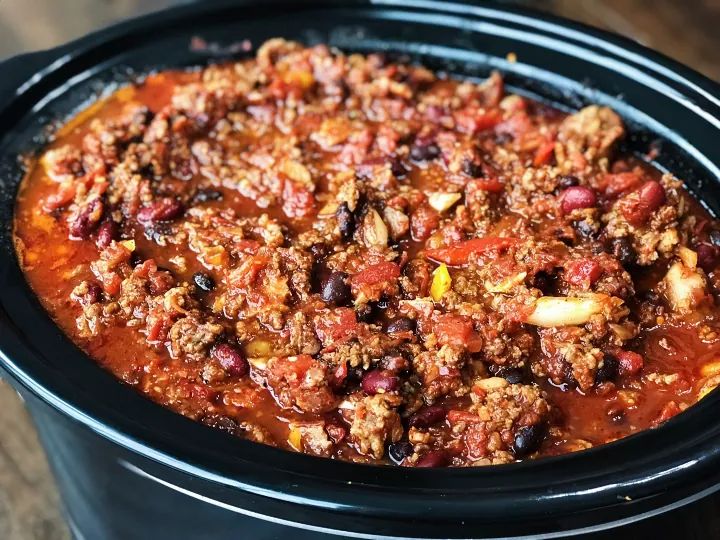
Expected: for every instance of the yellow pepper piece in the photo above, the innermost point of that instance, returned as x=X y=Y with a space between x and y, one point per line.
x=295 y=438
x=259 y=348
x=441 y=282
x=128 y=244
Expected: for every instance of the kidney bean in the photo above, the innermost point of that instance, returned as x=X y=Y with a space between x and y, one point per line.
x=335 y=289
x=436 y=458
x=86 y=220
x=106 y=233
x=427 y=416
x=92 y=296
x=380 y=381
x=577 y=197
x=346 y=221
x=528 y=439
x=630 y=362
x=399 y=451
x=204 y=281
x=231 y=359
x=651 y=196
x=402 y=324
x=707 y=256
x=609 y=369
x=164 y=209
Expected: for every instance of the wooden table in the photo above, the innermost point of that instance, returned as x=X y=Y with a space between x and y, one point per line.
x=29 y=505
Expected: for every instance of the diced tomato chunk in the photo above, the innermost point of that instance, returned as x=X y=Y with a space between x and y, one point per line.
x=336 y=326
x=491 y=184
x=544 y=153
x=458 y=331
x=298 y=201
x=517 y=125
x=423 y=222
x=669 y=410
x=460 y=253
x=583 y=272
x=376 y=273
x=474 y=120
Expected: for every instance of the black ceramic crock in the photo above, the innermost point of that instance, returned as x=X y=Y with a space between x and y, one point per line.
x=129 y=469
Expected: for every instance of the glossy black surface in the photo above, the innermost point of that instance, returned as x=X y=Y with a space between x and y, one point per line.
x=561 y=62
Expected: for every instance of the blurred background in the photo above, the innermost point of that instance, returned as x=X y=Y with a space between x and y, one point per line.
x=686 y=30
x=683 y=29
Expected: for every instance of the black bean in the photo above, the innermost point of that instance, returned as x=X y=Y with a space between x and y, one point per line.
x=204 y=281
x=608 y=370
x=472 y=169
x=399 y=451
x=403 y=324
x=346 y=221
x=335 y=289
x=528 y=439
x=424 y=152
x=221 y=422
x=543 y=281
x=513 y=375
x=623 y=251
x=366 y=313
x=206 y=195
x=617 y=416
x=398 y=169
x=585 y=229
x=567 y=181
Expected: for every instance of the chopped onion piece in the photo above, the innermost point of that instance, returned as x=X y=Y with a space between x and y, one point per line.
x=687 y=256
x=553 y=311
x=507 y=284
x=443 y=201
x=684 y=287
x=258 y=362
